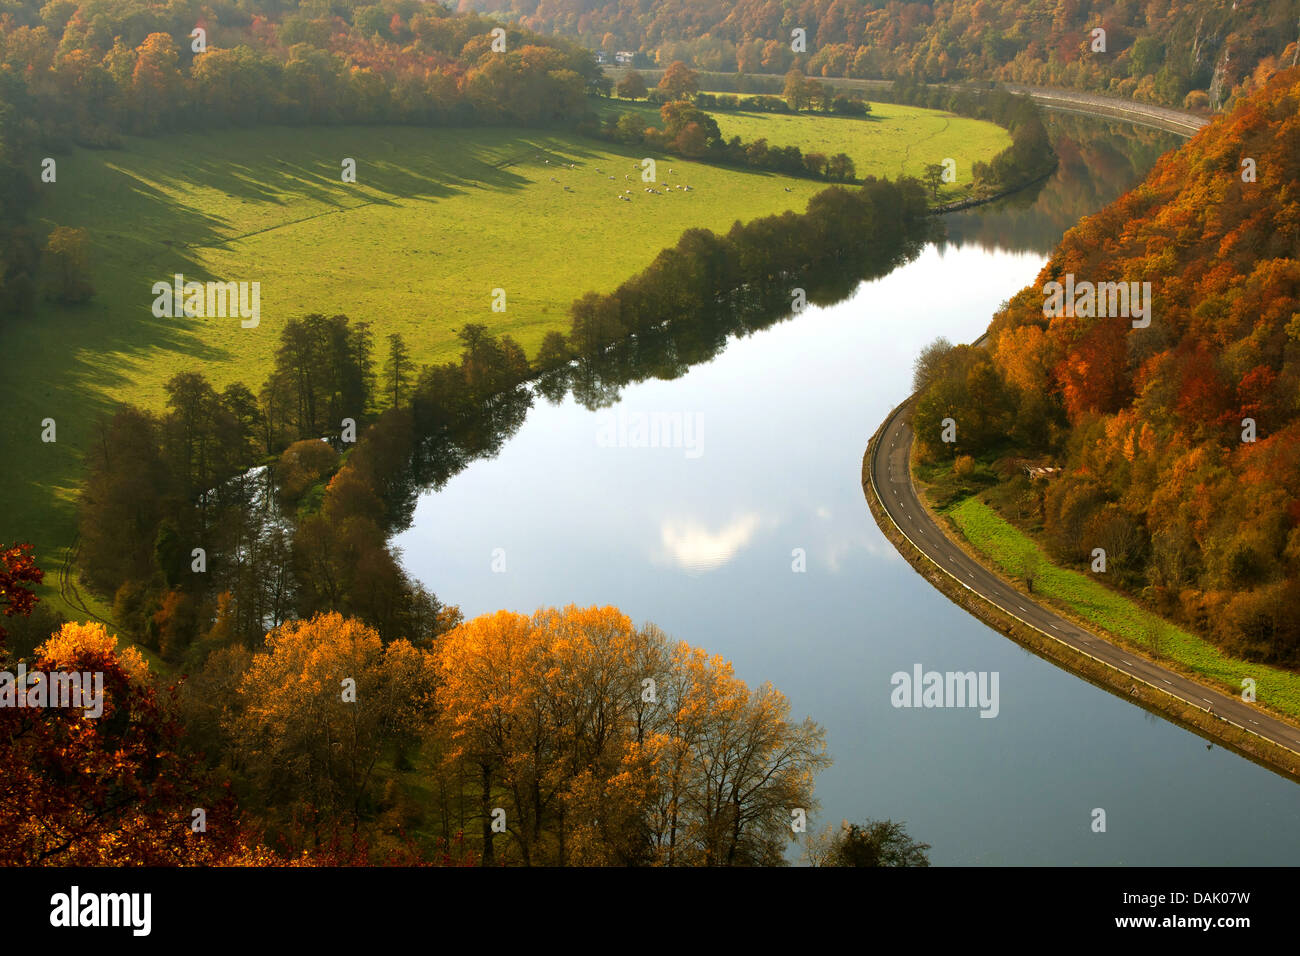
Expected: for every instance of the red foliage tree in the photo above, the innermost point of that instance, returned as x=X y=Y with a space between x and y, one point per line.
x=17 y=570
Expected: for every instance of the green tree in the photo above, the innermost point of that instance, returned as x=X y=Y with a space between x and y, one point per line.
x=874 y=843
x=397 y=368
x=933 y=178
x=840 y=168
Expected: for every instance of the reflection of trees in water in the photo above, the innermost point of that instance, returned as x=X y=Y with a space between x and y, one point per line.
x=441 y=455
x=669 y=350
x=1099 y=161
x=664 y=351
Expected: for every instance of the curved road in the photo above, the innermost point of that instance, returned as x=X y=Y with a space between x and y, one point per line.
x=891 y=483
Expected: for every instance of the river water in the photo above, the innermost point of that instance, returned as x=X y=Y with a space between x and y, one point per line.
x=701 y=538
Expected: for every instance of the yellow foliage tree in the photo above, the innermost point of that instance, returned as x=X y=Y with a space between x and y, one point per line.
x=319 y=707
x=586 y=740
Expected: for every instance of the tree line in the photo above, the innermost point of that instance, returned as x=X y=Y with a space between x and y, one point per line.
x=1030 y=155
x=691 y=132
x=304 y=533
x=565 y=737
x=87 y=73
x=849 y=231
x=688 y=130
x=1182 y=53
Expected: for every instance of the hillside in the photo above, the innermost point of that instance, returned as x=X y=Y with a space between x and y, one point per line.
x=1193 y=52
x=1180 y=441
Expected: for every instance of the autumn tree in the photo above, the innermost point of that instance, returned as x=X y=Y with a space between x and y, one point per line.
x=316 y=711
x=109 y=790
x=632 y=86
x=156 y=83
x=840 y=168
x=66 y=262
x=127 y=489
x=796 y=90
x=600 y=743
x=679 y=82
x=18 y=570
x=324 y=372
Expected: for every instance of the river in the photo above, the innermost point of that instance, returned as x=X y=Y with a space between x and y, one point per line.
x=701 y=539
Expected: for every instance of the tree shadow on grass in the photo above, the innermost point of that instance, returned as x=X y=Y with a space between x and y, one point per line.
x=152 y=209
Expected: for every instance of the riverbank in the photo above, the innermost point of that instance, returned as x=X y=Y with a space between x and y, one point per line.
x=1097 y=672
x=962 y=204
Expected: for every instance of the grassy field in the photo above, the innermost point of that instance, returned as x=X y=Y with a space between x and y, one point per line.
x=892 y=141
x=1017 y=554
x=436 y=220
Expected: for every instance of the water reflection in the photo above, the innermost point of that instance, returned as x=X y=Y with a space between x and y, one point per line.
x=694 y=547
x=1099 y=161
x=761 y=549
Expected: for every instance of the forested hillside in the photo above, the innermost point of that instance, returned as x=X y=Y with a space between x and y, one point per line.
x=1179 y=441
x=1199 y=52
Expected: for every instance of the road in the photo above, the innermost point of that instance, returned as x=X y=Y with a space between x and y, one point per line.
x=891 y=483
x=1092 y=104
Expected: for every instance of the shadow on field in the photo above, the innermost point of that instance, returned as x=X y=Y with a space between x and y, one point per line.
x=151 y=210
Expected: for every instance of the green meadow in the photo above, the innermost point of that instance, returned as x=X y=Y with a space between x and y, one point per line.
x=891 y=141
x=437 y=219
x=1017 y=554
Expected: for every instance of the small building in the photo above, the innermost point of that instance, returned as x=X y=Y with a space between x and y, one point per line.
x=602 y=57
x=624 y=58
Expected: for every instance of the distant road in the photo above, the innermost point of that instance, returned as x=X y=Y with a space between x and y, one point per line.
x=891 y=483
x=1144 y=114
x=1182 y=122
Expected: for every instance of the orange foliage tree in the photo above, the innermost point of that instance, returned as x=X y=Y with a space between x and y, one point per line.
x=586 y=740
